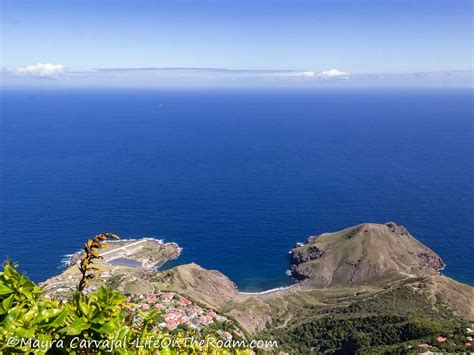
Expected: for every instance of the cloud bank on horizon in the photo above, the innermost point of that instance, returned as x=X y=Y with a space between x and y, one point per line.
x=61 y=76
x=58 y=71
x=43 y=71
x=322 y=39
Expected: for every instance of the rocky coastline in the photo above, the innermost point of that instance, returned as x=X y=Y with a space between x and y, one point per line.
x=331 y=270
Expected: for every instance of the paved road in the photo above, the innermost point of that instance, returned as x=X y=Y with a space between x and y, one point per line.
x=124 y=247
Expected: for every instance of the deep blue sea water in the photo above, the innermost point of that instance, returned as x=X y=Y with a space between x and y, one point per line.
x=236 y=178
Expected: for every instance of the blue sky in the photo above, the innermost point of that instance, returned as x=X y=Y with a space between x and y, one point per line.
x=354 y=36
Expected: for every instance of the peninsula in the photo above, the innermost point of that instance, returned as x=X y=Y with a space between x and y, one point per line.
x=362 y=275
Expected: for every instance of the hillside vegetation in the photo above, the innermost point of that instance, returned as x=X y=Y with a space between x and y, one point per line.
x=368 y=289
x=107 y=321
x=361 y=255
x=396 y=322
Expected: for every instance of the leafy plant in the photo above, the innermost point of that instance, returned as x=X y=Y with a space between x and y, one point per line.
x=91 y=250
x=39 y=325
x=25 y=312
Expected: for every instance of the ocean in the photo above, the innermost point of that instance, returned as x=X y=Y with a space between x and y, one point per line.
x=236 y=178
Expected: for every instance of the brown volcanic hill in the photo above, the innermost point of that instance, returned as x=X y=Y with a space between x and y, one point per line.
x=208 y=286
x=367 y=254
x=367 y=262
x=364 y=262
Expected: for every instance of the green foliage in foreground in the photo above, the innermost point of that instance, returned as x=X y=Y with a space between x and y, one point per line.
x=99 y=321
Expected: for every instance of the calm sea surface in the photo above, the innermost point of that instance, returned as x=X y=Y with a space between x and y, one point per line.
x=236 y=178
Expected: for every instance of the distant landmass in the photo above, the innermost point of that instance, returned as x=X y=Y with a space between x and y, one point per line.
x=371 y=286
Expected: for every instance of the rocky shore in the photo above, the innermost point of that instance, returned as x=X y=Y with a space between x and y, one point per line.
x=364 y=254
x=148 y=252
x=331 y=271
x=122 y=265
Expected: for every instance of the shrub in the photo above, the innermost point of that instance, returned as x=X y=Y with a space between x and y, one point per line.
x=88 y=323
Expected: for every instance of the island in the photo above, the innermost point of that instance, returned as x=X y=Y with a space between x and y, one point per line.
x=366 y=281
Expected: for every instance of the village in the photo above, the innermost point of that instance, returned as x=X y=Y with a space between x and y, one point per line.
x=178 y=311
x=440 y=341
x=117 y=270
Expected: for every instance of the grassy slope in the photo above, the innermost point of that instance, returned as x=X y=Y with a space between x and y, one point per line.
x=388 y=322
x=365 y=254
x=390 y=281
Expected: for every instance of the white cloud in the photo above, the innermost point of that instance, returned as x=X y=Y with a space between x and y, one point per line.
x=333 y=73
x=288 y=74
x=303 y=74
x=45 y=71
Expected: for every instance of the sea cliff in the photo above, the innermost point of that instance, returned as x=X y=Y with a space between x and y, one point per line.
x=377 y=270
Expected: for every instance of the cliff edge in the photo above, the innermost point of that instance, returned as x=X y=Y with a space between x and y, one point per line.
x=367 y=254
